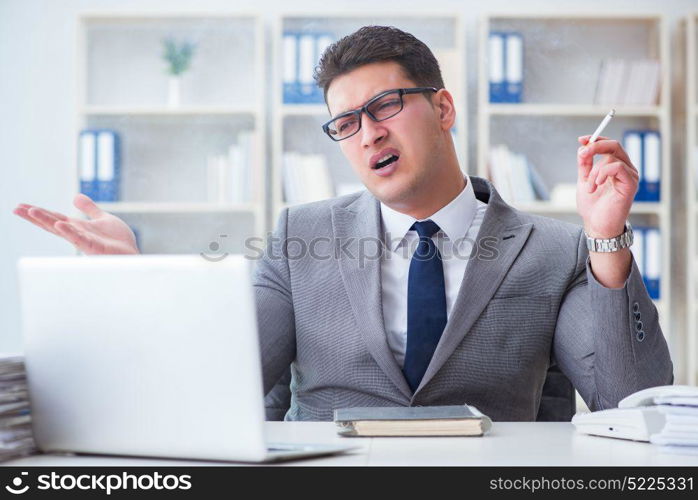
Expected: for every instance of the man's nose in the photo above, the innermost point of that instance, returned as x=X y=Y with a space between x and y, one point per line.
x=371 y=132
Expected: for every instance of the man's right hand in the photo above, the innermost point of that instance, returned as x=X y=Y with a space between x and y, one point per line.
x=103 y=234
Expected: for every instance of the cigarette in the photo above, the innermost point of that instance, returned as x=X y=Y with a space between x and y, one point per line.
x=602 y=126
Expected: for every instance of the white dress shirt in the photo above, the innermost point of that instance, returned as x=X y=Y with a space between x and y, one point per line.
x=459 y=223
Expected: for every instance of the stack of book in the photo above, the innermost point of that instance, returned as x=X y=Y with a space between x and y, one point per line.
x=233 y=177
x=16 y=437
x=680 y=432
x=515 y=179
x=628 y=83
x=100 y=164
x=306 y=178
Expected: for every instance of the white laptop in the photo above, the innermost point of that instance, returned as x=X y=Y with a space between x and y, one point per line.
x=151 y=355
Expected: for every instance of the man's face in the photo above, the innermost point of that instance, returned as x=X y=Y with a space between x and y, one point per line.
x=414 y=136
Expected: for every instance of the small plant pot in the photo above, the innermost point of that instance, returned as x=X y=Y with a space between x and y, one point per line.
x=173 y=95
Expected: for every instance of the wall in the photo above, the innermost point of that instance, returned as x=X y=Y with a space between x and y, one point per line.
x=38 y=101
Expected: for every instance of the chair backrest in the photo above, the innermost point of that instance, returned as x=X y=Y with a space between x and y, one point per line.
x=557 y=404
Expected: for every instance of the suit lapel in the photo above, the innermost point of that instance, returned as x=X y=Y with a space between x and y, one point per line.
x=500 y=239
x=357 y=229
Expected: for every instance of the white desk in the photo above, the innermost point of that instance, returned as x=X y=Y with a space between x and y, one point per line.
x=512 y=444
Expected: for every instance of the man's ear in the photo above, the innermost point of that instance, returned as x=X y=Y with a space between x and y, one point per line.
x=447 y=110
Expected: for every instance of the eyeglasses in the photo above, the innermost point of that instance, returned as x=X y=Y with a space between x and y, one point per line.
x=381 y=107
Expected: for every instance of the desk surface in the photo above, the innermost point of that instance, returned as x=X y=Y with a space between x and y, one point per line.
x=508 y=443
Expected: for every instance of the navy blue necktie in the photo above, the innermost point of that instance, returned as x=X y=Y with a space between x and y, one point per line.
x=426 y=304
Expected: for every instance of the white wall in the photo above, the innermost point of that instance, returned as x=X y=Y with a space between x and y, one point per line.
x=38 y=99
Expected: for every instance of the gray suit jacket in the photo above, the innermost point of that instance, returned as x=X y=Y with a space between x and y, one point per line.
x=528 y=299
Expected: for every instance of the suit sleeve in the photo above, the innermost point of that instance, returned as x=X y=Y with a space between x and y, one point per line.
x=608 y=340
x=275 y=316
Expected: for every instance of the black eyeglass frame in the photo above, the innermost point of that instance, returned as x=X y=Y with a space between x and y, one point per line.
x=364 y=109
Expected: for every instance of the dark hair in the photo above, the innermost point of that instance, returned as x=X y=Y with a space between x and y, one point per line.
x=375 y=44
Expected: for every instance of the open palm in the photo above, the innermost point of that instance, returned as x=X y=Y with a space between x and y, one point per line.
x=103 y=233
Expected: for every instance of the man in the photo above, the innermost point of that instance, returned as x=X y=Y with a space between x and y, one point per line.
x=388 y=309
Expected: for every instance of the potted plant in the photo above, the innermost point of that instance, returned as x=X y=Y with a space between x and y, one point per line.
x=178 y=57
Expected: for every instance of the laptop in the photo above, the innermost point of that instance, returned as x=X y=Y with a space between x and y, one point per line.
x=152 y=355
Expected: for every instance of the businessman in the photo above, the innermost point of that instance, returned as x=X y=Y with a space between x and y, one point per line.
x=427 y=288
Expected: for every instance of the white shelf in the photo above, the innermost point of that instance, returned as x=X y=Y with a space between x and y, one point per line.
x=575 y=16
x=159 y=111
x=557 y=123
x=175 y=207
x=121 y=85
x=304 y=109
x=569 y=110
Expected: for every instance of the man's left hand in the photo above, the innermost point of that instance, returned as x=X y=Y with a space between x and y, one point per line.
x=606 y=190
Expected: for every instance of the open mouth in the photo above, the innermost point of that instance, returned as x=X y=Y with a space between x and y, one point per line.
x=386 y=160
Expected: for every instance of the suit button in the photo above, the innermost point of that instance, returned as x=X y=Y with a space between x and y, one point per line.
x=640 y=336
x=637 y=316
x=638 y=326
x=636 y=307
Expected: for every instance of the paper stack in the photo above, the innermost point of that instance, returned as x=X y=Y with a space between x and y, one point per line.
x=680 y=432
x=16 y=437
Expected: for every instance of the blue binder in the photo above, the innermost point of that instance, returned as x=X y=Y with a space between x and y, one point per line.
x=505 y=67
x=301 y=54
x=644 y=149
x=513 y=74
x=87 y=163
x=496 y=48
x=290 y=68
x=108 y=165
x=647 y=253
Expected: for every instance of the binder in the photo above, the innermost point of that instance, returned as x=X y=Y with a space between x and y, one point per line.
x=323 y=40
x=496 y=67
x=653 y=255
x=108 y=165
x=632 y=143
x=513 y=77
x=652 y=160
x=290 y=68
x=87 y=164
x=306 y=65
x=638 y=250
x=644 y=149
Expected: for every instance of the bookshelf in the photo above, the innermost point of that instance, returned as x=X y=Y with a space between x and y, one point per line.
x=297 y=127
x=165 y=184
x=692 y=196
x=558 y=106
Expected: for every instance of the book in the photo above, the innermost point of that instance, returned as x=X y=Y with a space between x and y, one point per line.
x=452 y=420
x=306 y=178
x=514 y=177
x=628 y=83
